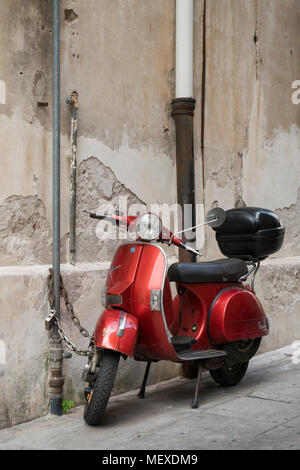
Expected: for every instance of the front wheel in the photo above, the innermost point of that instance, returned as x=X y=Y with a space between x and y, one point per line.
x=97 y=399
x=230 y=374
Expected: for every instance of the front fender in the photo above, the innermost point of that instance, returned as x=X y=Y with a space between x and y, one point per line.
x=116 y=330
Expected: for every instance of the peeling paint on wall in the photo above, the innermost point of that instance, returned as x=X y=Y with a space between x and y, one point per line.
x=146 y=173
x=97 y=184
x=25 y=236
x=127 y=148
x=70 y=16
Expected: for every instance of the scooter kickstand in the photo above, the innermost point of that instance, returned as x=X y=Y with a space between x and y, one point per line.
x=195 y=402
x=143 y=388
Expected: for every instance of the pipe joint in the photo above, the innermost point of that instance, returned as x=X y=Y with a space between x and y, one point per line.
x=183 y=106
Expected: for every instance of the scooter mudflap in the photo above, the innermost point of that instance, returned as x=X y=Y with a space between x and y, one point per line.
x=195 y=402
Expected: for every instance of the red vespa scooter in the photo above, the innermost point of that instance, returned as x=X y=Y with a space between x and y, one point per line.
x=214 y=323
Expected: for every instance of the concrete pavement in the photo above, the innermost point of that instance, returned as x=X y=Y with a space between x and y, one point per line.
x=262 y=412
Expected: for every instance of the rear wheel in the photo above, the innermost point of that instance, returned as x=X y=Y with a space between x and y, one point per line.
x=242 y=351
x=230 y=374
x=99 y=395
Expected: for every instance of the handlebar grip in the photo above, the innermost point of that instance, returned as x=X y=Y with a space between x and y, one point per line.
x=93 y=215
x=115 y=218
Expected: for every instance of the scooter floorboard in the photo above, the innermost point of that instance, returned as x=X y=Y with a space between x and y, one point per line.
x=194 y=355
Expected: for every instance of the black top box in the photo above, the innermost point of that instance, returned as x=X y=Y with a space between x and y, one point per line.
x=250 y=233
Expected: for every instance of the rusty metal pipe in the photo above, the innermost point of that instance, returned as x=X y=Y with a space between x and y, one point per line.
x=73 y=102
x=183 y=114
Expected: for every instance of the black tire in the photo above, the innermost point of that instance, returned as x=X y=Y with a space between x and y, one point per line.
x=96 y=405
x=242 y=351
x=230 y=375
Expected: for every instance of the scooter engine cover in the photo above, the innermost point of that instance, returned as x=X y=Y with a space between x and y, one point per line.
x=235 y=314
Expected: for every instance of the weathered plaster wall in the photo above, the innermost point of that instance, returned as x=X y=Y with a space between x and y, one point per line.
x=252 y=137
x=252 y=128
x=119 y=56
x=278 y=288
x=23 y=379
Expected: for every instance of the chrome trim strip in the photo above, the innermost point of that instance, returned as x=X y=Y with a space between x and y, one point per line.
x=122 y=324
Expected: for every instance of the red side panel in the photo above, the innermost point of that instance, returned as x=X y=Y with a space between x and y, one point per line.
x=236 y=314
x=116 y=330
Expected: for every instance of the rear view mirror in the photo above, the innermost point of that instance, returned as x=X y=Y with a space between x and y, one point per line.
x=215 y=217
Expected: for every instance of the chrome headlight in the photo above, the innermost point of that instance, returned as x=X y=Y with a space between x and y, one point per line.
x=148 y=227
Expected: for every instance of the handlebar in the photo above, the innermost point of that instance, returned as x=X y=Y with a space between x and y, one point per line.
x=181 y=244
x=126 y=221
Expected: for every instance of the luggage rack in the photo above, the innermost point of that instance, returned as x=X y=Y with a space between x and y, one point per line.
x=253 y=271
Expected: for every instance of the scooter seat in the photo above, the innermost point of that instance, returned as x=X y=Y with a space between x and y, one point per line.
x=222 y=270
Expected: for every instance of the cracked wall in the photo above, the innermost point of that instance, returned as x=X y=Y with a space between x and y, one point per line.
x=119 y=56
x=97 y=187
x=252 y=128
x=25 y=235
x=25 y=61
x=126 y=147
x=124 y=112
x=124 y=90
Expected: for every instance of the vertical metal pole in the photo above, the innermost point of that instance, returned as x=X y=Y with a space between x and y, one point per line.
x=56 y=152
x=56 y=351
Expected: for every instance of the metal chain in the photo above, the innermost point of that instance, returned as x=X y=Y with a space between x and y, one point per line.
x=70 y=310
x=69 y=344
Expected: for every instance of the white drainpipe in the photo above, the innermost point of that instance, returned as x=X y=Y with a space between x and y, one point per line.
x=184 y=48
